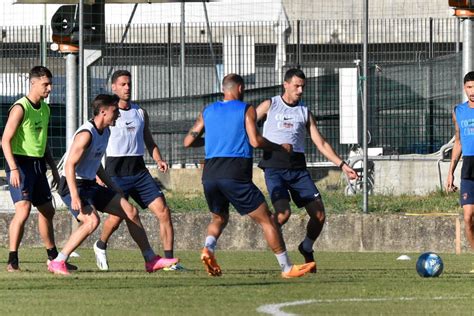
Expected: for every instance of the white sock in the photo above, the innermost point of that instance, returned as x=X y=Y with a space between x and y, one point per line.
x=61 y=257
x=149 y=255
x=308 y=244
x=284 y=261
x=210 y=243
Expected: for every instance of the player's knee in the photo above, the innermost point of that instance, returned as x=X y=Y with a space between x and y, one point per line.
x=163 y=213
x=113 y=222
x=132 y=213
x=220 y=220
x=91 y=222
x=321 y=216
x=20 y=219
x=283 y=217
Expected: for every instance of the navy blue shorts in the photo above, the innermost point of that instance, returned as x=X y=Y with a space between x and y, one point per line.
x=90 y=193
x=467 y=192
x=141 y=187
x=34 y=186
x=297 y=182
x=243 y=195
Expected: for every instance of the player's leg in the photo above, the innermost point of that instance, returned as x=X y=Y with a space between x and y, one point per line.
x=467 y=203
x=305 y=194
x=317 y=218
x=42 y=199
x=120 y=207
x=262 y=216
x=16 y=229
x=147 y=193
x=89 y=221
x=110 y=225
x=219 y=208
x=248 y=200
x=469 y=226
x=163 y=214
x=278 y=191
x=45 y=224
x=469 y=223
x=272 y=235
x=21 y=197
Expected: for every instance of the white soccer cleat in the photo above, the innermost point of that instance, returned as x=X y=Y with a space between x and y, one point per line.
x=174 y=267
x=101 y=258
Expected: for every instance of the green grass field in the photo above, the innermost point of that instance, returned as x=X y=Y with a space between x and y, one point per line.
x=346 y=284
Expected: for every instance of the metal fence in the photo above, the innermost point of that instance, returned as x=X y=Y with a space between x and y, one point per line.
x=414 y=78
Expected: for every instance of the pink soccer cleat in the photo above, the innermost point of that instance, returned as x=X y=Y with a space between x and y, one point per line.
x=58 y=267
x=159 y=263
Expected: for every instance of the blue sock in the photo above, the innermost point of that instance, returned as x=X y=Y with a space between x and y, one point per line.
x=149 y=255
x=308 y=244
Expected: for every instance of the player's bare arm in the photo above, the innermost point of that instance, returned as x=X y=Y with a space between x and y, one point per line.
x=52 y=164
x=79 y=145
x=455 y=156
x=257 y=140
x=152 y=147
x=15 y=117
x=194 y=137
x=262 y=109
x=326 y=149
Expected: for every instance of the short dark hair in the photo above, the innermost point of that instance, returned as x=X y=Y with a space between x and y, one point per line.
x=469 y=77
x=294 y=72
x=120 y=73
x=231 y=80
x=104 y=100
x=40 y=71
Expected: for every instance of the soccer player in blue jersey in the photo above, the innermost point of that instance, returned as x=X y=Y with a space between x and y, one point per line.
x=463 y=119
x=288 y=120
x=227 y=174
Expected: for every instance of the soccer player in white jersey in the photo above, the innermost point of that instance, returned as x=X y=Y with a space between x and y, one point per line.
x=125 y=165
x=287 y=121
x=84 y=197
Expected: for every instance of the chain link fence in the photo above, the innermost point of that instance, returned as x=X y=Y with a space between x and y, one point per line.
x=414 y=77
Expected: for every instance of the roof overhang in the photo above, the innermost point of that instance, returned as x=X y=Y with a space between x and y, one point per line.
x=99 y=1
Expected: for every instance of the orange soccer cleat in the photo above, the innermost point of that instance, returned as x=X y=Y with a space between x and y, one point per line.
x=209 y=261
x=298 y=270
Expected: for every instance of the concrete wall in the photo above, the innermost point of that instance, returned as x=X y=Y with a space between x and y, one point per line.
x=348 y=232
x=416 y=177
x=391 y=177
x=378 y=9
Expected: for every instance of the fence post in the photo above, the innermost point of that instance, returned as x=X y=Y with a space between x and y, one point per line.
x=298 y=44
x=429 y=94
x=43 y=51
x=169 y=60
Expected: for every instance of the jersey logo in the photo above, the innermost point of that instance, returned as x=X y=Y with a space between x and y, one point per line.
x=38 y=126
x=128 y=123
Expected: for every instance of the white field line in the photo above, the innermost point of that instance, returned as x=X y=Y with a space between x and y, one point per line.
x=274 y=309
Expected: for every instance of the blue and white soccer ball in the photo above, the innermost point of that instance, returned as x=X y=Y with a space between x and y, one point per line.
x=429 y=265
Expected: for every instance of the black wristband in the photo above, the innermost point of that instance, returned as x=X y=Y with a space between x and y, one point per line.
x=342 y=164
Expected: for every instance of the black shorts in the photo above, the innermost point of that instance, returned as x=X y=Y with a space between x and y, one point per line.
x=90 y=193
